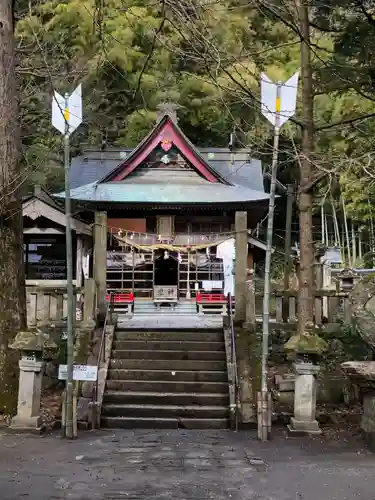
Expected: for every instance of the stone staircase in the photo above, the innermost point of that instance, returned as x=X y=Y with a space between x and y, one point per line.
x=167 y=379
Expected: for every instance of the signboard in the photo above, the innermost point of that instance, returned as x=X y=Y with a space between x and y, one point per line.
x=209 y=285
x=80 y=372
x=167 y=293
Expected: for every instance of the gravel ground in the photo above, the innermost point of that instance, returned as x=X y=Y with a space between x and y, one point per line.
x=184 y=465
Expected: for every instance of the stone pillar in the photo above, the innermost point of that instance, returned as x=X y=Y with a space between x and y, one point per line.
x=241 y=266
x=305 y=399
x=100 y=260
x=29 y=392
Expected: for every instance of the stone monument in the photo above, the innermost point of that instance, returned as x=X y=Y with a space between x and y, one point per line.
x=306 y=348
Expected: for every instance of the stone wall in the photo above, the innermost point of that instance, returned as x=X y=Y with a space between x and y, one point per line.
x=248 y=369
x=334 y=388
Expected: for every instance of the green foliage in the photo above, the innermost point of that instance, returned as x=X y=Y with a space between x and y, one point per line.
x=207 y=56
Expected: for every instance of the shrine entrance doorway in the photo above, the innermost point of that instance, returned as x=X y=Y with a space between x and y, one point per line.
x=166 y=270
x=166 y=279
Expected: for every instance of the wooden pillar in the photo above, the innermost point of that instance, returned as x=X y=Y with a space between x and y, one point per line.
x=100 y=260
x=241 y=266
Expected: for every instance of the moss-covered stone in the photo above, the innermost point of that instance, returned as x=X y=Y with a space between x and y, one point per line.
x=306 y=343
x=32 y=340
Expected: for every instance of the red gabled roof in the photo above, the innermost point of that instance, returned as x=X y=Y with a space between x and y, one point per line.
x=167 y=133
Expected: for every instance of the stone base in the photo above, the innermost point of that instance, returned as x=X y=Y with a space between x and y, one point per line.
x=22 y=424
x=302 y=427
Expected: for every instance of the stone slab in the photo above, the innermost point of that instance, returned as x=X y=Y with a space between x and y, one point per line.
x=168 y=321
x=302 y=427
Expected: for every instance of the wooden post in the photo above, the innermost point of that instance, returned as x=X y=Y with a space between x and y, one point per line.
x=241 y=266
x=100 y=260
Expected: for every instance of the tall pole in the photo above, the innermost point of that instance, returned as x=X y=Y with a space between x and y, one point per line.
x=69 y=281
x=263 y=427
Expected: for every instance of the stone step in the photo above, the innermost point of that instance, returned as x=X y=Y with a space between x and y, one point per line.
x=165 y=411
x=172 y=365
x=171 y=314
x=171 y=335
x=167 y=386
x=169 y=355
x=165 y=345
x=163 y=423
x=165 y=307
x=167 y=375
x=182 y=307
x=166 y=399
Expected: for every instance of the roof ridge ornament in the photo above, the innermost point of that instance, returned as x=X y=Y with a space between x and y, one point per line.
x=168 y=108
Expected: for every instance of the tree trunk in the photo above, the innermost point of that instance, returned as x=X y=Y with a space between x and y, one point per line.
x=306 y=280
x=12 y=290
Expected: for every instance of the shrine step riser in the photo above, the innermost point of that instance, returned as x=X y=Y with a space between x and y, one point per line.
x=166 y=399
x=166 y=364
x=167 y=376
x=170 y=336
x=135 y=345
x=168 y=386
x=172 y=355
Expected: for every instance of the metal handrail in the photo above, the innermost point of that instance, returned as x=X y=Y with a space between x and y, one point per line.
x=101 y=353
x=233 y=355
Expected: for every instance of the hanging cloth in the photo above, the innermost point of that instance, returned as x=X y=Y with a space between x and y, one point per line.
x=227 y=252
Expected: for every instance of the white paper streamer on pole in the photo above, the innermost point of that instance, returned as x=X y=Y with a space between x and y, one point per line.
x=283 y=105
x=66 y=117
x=70 y=111
x=278 y=105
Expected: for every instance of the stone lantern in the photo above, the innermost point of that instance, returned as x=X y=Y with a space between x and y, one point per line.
x=31 y=344
x=347 y=279
x=307 y=349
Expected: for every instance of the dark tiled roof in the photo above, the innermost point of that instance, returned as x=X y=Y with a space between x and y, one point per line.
x=238 y=169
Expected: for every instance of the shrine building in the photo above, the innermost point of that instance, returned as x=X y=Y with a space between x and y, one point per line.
x=156 y=221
